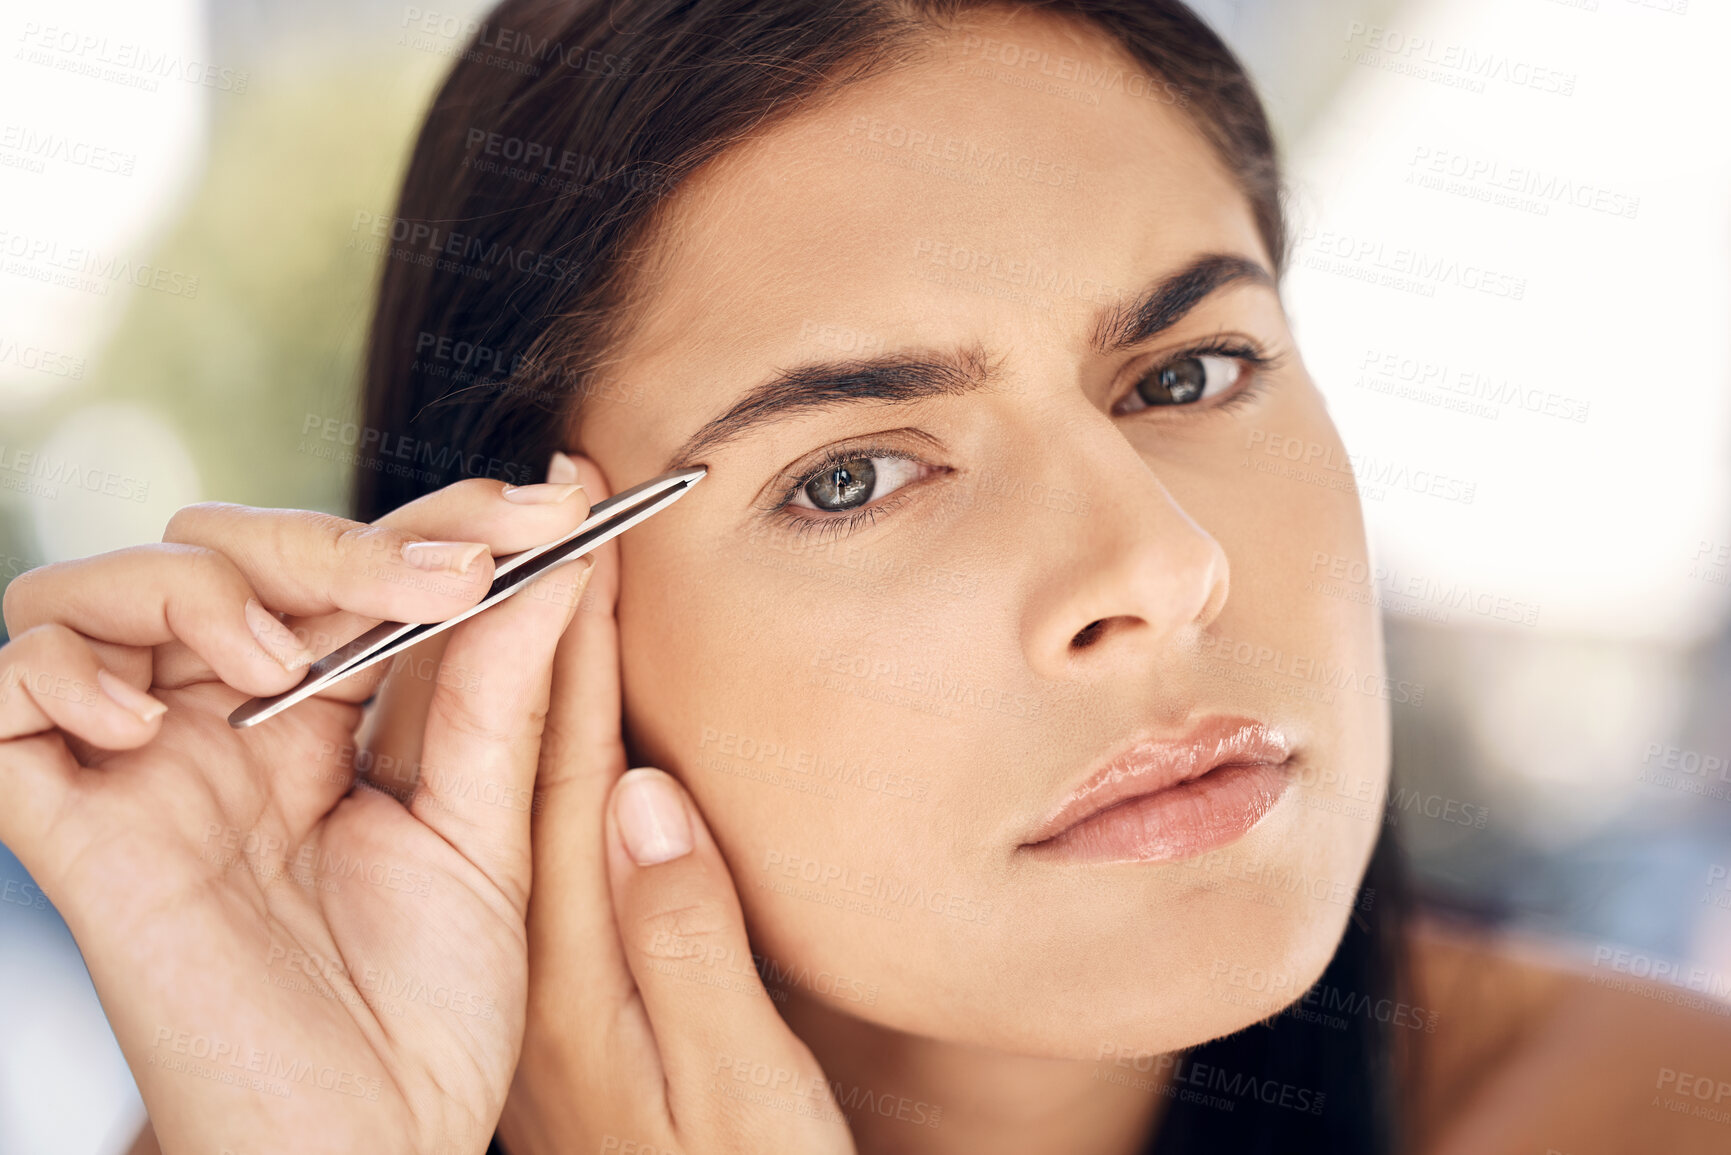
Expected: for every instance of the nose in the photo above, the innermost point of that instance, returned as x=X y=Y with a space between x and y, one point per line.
x=1134 y=572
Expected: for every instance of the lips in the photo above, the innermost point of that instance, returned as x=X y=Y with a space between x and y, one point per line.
x=1164 y=798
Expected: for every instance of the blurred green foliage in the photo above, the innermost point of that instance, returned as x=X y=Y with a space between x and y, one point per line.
x=279 y=323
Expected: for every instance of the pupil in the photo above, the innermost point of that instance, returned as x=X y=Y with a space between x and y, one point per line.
x=1178 y=383
x=845 y=485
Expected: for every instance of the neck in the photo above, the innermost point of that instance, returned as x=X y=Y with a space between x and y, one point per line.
x=911 y=1095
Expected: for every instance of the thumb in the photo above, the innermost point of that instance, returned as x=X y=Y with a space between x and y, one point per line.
x=684 y=938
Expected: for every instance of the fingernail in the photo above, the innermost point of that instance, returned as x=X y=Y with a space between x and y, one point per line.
x=130 y=698
x=545 y=494
x=585 y=567
x=277 y=639
x=651 y=818
x=451 y=556
x=561 y=469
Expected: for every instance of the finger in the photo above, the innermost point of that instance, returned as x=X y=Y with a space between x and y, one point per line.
x=155 y=595
x=397 y=722
x=577 y=971
x=50 y=678
x=681 y=925
x=307 y=563
x=506 y=518
x=37 y=775
x=476 y=779
x=404 y=686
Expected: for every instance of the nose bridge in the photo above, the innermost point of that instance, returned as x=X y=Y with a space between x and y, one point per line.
x=1124 y=559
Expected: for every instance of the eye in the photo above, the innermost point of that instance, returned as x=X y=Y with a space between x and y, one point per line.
x=847 y=483
x=1193 y=376
x=1185 y=380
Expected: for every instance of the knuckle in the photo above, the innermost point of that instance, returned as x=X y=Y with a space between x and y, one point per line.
x=356 y=547
x=469 y=721
x=309 y=537
x=18 y=590
x=49 y=650
x=187 y=521
x=681 y=929
x=208 y=569
x=470 y=488
x=47 y=644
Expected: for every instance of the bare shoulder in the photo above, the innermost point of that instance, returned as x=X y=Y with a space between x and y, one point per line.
x=1537 y=1052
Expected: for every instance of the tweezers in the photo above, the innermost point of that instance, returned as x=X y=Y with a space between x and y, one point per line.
x=606 y=521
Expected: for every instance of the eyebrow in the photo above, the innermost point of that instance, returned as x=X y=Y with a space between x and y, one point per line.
x=901 y=378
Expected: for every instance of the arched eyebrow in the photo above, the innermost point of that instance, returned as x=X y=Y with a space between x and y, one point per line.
x=904 y=377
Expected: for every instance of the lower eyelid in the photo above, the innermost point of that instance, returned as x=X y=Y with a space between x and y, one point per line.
x=922 y=469
x=841 y=522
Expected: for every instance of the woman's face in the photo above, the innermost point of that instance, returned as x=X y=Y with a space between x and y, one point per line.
x=1056 y=521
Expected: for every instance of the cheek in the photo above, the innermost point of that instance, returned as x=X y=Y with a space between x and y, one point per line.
x=771 y=693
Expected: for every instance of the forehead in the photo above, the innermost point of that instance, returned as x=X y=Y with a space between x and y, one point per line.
x=1017 y=174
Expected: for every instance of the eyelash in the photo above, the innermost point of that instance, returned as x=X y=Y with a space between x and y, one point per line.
x=803 y=525
x=1256 y=362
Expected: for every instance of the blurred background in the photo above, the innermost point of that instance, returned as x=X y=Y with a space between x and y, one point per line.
x=1511 y=277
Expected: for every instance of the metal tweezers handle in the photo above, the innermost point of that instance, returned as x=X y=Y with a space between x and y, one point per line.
x=607 y=520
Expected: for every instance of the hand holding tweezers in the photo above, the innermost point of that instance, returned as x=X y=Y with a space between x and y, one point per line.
x=607 y=520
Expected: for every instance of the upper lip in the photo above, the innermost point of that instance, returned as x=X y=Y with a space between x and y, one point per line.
x=1151 y=763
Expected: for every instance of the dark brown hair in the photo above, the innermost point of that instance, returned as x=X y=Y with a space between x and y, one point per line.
x=533 y=195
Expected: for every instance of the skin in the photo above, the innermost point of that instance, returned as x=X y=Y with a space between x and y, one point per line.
x=1181 y=543
x=622 y=981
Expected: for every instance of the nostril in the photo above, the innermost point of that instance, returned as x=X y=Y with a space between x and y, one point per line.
x=1088 y=634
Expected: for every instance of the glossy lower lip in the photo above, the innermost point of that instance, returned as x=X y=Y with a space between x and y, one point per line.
x=1177 y=822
